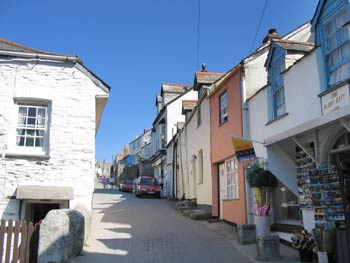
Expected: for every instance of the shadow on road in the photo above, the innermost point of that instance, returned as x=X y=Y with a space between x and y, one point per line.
x=130 y=229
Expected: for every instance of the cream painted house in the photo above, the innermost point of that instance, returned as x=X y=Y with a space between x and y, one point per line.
x=169 y=113
x=50 y=109
x=191 y=146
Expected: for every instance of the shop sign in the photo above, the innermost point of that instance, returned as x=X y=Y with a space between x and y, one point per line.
x=335 y=100
x=244 y=150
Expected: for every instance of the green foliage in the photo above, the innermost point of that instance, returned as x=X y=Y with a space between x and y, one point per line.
x=259 y=177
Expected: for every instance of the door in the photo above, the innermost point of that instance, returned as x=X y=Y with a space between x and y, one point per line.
x=222 y=187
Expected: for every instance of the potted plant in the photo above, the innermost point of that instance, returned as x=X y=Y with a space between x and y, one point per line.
x=261 y=181
x=304 y=242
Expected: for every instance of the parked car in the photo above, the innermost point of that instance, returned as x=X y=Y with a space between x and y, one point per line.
x=126 y=185
x=147 y=185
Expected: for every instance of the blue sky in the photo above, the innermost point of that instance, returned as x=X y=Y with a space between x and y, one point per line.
x=135 y=45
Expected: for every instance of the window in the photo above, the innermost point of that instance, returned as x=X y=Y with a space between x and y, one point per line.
x=31 y=126
x=200 y=167
x=199 y=115
x=223 y=108
x=277 y=86
x=337 y=48
x=232 y=179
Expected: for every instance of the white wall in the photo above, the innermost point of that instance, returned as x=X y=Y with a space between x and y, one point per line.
x=302 y=103
x=72 y=130
x=174 y=113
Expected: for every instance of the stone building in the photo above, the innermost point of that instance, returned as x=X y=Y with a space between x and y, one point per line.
x=50 y=109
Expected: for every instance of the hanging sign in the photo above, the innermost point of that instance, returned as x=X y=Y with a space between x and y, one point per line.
x=244 y=150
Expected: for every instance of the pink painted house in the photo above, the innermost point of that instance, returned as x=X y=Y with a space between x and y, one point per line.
x=228 y=182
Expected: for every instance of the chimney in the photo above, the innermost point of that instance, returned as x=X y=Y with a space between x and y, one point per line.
x=126 y=150
x=204 y=68
x=272 y=34
x=145 y=130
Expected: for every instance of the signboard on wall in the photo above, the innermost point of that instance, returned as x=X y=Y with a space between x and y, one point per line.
x=244 y=150
x=335 y=99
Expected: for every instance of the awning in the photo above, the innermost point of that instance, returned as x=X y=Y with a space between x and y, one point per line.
x=44 y=192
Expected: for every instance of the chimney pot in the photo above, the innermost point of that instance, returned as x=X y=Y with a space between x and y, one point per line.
x=272 y=34
x=272 y=31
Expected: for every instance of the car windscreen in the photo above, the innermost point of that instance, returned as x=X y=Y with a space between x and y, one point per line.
x=151 y=181
x=128 y=182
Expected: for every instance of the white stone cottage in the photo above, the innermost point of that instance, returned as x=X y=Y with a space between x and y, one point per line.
x=50 y=109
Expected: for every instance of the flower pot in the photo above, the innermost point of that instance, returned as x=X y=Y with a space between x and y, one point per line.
x=262 y=224
x=305 y=255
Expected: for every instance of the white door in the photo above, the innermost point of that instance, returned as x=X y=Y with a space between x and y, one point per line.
x=222 y=188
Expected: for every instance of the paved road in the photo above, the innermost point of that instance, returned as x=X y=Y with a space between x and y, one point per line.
x=133 y=230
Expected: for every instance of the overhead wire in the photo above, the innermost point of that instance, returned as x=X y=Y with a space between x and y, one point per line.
x=260 y=21
x=198 y=31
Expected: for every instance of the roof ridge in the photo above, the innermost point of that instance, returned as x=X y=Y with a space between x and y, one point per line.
x=209 y=73
x=176 y=84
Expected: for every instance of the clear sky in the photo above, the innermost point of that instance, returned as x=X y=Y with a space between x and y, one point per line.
x=135 y=45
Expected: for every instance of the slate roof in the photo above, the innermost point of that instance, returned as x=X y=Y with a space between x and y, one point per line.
x=188 y=105
x=174 y=88
x=205 y=78
x=7 y=45
x=294 y=45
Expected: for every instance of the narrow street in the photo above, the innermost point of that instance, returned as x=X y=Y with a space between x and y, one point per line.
x=129 y=229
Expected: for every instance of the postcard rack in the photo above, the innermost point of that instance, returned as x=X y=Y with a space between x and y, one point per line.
x=304 y=166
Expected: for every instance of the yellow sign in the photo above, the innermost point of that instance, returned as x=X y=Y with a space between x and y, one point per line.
x=244 y=150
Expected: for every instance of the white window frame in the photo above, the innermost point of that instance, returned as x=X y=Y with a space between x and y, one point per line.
x=231 y=172
x=17 y=150
x=223 y=108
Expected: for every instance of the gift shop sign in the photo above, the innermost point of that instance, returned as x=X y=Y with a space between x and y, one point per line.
x=335 y=100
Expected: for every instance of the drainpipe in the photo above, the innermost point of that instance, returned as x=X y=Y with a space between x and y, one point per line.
x=174 y=166
x=245 y=134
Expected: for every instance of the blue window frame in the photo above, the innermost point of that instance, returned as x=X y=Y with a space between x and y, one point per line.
x=277 y=99
x=337 y=47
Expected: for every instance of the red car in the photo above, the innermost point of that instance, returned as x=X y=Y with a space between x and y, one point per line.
x=126 y=186
x=147 y=185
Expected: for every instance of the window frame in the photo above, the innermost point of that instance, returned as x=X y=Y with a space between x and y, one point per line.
x=200 y=166
x=24 y=150
x=223 y=117
x=339 y=44
x=276 y=82
x=199 y=115
x=232 y=179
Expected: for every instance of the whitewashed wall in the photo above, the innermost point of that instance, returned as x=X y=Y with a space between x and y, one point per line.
x=302 y=105
x=174 y=113
x=72 y=130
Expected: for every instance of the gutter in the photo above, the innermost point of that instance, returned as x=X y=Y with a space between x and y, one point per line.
x=40 y=56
